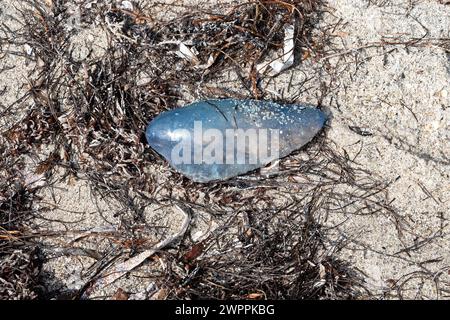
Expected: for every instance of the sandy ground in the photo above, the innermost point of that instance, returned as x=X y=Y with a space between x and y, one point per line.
x=402 y=98
x=399 y=95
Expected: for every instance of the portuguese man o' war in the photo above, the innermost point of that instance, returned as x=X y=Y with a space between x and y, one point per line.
x=220 y=139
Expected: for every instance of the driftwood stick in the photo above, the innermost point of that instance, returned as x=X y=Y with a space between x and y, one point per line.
x=124 y=267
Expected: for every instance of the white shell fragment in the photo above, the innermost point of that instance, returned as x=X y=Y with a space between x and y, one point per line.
x=287 y=59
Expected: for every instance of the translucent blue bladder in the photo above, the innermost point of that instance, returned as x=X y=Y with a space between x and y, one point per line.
x=220 y=139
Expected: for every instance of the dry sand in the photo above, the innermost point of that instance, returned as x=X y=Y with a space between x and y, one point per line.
x=399 y=95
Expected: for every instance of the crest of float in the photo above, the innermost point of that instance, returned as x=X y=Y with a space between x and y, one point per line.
x=220 y=139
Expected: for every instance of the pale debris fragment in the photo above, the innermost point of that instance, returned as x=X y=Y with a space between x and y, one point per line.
x=285 y=61
x=191 y=54
x=90 y=5
x=126 y=5
x=28 y=49
x=188 y=53
x=208 y=64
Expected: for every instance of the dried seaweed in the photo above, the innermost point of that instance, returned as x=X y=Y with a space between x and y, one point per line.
x=20 y=261
x=90 y=116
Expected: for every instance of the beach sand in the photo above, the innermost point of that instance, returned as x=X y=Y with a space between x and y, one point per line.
x=398 y=95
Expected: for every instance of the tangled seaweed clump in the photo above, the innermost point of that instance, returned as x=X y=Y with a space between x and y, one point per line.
x=89 y=117
x=20 y=259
